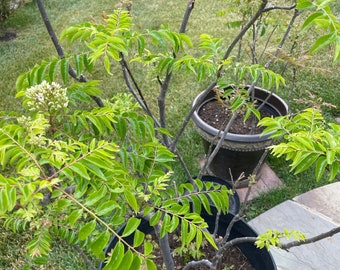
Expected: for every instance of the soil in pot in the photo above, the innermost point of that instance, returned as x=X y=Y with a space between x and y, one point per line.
x=215 y=114
x=232 y=259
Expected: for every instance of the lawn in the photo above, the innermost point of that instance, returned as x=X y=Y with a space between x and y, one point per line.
x=316 y=76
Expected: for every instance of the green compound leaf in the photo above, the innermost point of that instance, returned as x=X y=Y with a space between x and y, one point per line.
x=86 y=230
x=131 y=226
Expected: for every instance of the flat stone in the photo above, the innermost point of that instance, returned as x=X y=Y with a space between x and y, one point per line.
x=267 y=181
x=291 y=215
x=324 y=200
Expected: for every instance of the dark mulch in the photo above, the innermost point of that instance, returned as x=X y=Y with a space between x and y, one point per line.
x=7 y=35
x=217 y=115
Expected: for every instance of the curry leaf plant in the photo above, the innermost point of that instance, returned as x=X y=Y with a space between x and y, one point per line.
x=78 y=174
x=308 y=140
x=162 y=51
x=321 y=17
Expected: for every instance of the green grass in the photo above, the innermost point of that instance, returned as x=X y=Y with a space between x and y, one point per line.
x=33 y=44
x=13 y=254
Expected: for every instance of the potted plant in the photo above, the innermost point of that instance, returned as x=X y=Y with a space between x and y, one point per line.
x=78 y=174
x=252 y=257
x=242 y=148
x=81 y=173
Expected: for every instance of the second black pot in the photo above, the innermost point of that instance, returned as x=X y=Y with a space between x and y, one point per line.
x=260 y=259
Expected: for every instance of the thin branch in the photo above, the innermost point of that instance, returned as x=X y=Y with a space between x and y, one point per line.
x=279 y=7
x=267 y=42
x=283 y=40
x=228 y=230
x=163 y=243
x=84 y=257
x=186 y=16
x=217 y=220
x=285 y=37
x=219 y=144
x=161 y=105
x=184 y=166
x=165 y=249
x=49 y=28
x=125 y=64
x=245 y=29
x=191 y=112
x=240 y=240
x=193 y=264
x=60 y=50
x=139 y=99
x=165 y=84
x=311 y=240
x=228 y=244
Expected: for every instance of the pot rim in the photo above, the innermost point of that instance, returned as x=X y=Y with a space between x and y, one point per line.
x=234 y=136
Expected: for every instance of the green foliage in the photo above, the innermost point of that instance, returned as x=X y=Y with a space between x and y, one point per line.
x=322 y=18
x=78 y=174
x=308 y=140
x=163 y=50
x=272 y=238
x=268 y=78
x=53 y=69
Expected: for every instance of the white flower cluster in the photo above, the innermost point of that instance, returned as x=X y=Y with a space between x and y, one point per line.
x=24 y=121
x=46 y=97
x=35 y=128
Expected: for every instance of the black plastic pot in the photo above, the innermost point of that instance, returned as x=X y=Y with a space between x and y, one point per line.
x=260 y=259
x=239 y=153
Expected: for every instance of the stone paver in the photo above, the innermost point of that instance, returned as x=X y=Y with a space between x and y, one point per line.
x=313 y=213
x=267 y=181
x=324 y=200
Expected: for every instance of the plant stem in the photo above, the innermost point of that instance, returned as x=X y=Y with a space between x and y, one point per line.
x=245 y=29
x=190 y=7
x=218 y=145
x=165 y=84
x=311 y=240
x=139 y=97
x=85 y=258
x=163 y=245
x=283 y=40
x=279 y=7
x=127 y=73
x=285 y=37
x=161 y=104
x=192 y=264
x=60 y=50
x=165 y=249
x=192 y=110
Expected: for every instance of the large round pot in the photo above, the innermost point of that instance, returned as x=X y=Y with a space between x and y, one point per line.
x=239 y=153
x=260 y=259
